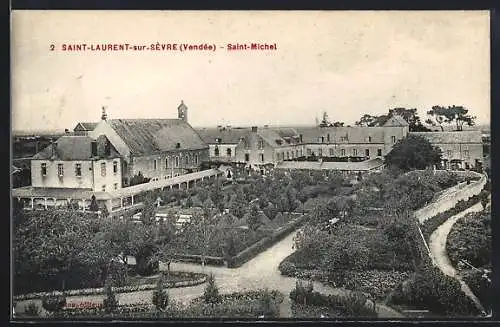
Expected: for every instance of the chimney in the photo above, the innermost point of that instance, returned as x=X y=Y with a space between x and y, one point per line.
x=93 y=148
x=254 y=129
x=182 y=111
x=300 y=137
x=54 y=149
x=104 y=115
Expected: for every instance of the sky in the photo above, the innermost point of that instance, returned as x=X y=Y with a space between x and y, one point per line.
x=344 y=63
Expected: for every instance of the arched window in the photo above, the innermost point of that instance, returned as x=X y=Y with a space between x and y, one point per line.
x=228 y=152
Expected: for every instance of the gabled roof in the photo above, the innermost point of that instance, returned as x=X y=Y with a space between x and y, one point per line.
x=337 y=134
x=271 y=137
x=451 y=137
x=150 y=136
x=68 y=148
x=396 y=121
x=85 y=126
x=226 y=135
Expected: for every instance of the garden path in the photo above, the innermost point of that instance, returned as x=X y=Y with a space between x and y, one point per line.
x=258 y=273
x=437 y=245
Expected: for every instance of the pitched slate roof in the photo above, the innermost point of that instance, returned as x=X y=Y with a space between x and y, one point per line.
x=285 y=131
x=271 y=137
x=227 y=135
x=353 y=134
x=451 y=137
x=150 y=136
x=396 y=121
x=316 y=165
x=68 y=148
x=86 y=126
x=60 y=193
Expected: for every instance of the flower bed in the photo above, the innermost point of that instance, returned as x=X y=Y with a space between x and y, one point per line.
x=194 y=258
x=313 y=311
x=193 y=279
x=353 y=304
x=236 y=305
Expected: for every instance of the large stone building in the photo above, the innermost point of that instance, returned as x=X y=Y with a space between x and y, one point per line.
x=265 y=145
x=460 y=149
x=103 y=159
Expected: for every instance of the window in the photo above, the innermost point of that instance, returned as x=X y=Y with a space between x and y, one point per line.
x=320 y=152
x=166 y=163
x=369 y=138
x=155 y=164
x=344 y=138
x=379 y=152
x=367 y=152
x=176 y=162
x=60 y=170
x=296 y=153
x=448 y=153
x=261 y=144
x=116 y=186
x=177 y=145
x=115 y=167
x=322 y=139
x=466 y=154
x=103 y=169
x=328 y=138
x=186 y=161
x=196 y=159
x=277 y=156
x=262 y=157
x=393 y=138
x=44 y=169
x=78 y=170
x=103 y=188
x=331 y=152
x=342 y=152
x=309 y=152
x=354 y=152
x=228 y=152
x=216 y=151
x=218 y=140
x=247 y=157
x=287 y=155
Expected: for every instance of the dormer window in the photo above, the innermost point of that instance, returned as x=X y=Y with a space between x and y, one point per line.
x=218 y=140
x=279 y=142
x=177 y=145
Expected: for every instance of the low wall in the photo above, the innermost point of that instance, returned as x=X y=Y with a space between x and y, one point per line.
x=196 y=258
x=451 y=197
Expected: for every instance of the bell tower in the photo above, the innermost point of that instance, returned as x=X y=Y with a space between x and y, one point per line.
x=182 y=111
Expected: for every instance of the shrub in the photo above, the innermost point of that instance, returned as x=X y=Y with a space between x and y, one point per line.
x=54 y=303
x=211 y=294
x=32 y=310
x=481 y=287
x=160 y=296
x=266 y=303
x=110 y=303
x=433 y=290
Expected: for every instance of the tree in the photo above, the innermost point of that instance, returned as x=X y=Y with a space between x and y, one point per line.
x=149 y=210
x=110 y=303
x=253 y=219
x=368 y=120
x=93 y=204
x=413 y=152
x=189 y=202
x=160 y=296
x=211 y=293
x=440 y=115
x=203 y=195
x=411 y=117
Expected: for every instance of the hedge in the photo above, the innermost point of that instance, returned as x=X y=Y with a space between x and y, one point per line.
x=430 y=225
x=263 y=244
x=199 y=279
x=196 y=258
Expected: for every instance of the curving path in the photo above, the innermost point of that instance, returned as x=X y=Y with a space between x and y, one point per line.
x=258 y=273
x=437 y=246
